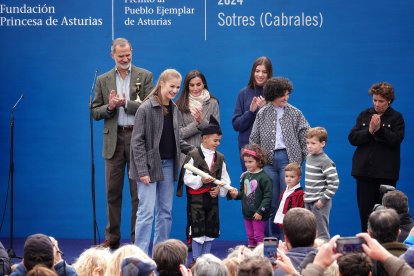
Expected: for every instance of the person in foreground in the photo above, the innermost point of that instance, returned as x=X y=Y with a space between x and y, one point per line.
x=383 y=225
x=327 y=255
x=398 y=201
x=202 y=193
x=377 y=135
x=156 y=147
x=169 y=255
x=41 y=249
x=4 y=260
x=118 y=95
x=299 y=225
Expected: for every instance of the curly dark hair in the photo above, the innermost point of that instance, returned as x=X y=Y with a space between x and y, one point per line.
x=276 y=87
x=383 y=89
x=260 y=154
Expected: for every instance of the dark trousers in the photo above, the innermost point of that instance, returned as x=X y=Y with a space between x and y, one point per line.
x=368 y=194
x=115 y=174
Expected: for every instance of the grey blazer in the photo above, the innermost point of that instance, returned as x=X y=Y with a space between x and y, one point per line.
x=145 y=141
x=104 y=84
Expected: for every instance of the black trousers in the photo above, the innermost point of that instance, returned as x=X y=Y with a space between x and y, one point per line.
x=368 y=194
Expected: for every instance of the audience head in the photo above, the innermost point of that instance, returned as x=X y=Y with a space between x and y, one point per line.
x=114 y=264
x=168 y=256
x=138 y=266
x=255 y=266
x=384 y=225
x=277 y=87
x=92 y=261
x=38 y=249
x=396 y=200
x=208 y=265
x=232 y=265
x=262 y=70
x=41 y=270
x=354 y=264
x=240 y=251
x=299 y=226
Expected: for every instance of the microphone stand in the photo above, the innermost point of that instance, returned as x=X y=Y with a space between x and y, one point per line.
x=92 y=160
x=11 y=252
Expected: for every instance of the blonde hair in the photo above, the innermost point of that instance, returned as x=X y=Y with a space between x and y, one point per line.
x=114 y=264
x=92 y=259
x=232 y=265
x=318 y=132
x=240 y=251
x=294 y=167
x=165 y=76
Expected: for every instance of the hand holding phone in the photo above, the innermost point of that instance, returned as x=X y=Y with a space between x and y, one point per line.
x=349 y=244
x=270 y=249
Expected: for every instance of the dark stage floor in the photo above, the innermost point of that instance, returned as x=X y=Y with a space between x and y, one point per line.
x=72 y=248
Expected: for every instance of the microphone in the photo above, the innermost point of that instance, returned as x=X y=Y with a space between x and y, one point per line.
x=93 y=87
x=18 y=101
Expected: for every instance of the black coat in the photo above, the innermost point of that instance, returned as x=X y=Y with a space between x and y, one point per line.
x=378 y=155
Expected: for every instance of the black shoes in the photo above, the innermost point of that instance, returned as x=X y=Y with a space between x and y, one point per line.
x=111 y=245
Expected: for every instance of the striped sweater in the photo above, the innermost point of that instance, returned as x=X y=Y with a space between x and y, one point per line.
x=321 y=178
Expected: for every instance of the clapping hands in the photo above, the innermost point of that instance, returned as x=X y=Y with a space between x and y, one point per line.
x=257 y=103
x=115 y=100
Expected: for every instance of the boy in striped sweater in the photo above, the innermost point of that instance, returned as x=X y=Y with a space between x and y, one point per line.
x=321 y=180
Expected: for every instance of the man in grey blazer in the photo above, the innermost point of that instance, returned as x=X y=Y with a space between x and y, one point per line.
x=118 y=95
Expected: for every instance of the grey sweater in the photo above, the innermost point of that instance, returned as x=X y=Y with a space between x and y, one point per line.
x=321 y=178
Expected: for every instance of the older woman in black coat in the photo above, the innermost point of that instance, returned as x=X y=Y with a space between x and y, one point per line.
x=377 y=134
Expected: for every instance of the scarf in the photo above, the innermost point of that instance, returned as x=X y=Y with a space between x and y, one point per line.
x=197 y=102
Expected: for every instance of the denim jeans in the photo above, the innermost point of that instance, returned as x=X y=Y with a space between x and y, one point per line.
x=158 y=197
x=276 y=172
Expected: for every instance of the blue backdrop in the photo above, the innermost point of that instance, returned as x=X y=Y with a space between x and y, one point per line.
x=332 y=51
